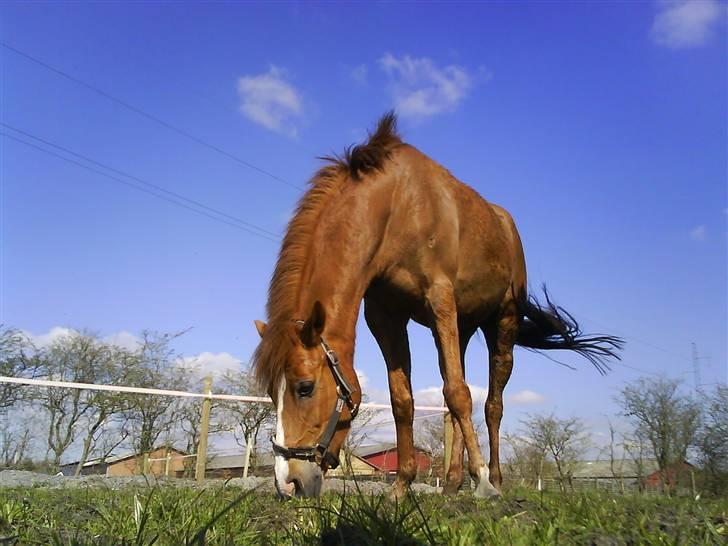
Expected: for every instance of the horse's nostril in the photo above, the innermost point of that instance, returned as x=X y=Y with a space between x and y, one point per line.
x=287 y=490
x=298 y=488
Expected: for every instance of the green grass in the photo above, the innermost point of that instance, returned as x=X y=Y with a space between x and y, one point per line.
x=226 y=515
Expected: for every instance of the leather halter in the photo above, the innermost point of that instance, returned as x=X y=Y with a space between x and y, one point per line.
x=319 y=453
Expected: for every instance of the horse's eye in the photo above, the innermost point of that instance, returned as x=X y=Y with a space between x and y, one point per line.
x=304 y=389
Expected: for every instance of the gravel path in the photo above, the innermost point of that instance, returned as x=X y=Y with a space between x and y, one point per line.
x=23 y=478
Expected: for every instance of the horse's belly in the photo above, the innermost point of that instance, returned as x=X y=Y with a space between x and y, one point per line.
x=480 y=292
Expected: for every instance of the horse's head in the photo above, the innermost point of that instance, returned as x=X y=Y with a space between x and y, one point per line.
x=316 y=398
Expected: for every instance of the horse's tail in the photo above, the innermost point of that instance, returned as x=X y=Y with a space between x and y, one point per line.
x=552 y=327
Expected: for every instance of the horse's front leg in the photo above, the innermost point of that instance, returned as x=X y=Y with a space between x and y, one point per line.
x=441 y=300
x=390 y=331
x=455 y=471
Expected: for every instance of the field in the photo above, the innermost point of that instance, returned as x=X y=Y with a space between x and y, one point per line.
x=224 y=514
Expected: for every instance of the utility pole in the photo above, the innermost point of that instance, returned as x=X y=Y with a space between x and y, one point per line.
x=204 y=427
x=696 y=371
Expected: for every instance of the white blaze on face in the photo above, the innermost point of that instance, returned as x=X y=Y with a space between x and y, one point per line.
x=281 y=464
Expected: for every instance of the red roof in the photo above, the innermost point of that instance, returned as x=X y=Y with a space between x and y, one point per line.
x=384 y=457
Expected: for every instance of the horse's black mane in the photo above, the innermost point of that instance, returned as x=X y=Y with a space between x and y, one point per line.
x=368 y=157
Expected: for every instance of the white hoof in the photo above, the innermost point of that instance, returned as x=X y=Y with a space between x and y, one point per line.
x=485 y=489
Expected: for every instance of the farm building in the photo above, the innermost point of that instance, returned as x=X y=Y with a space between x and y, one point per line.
x=232 y=466
x=371 y=460
x=131 y=464
x=383 y=457
x=622 y=474
x=353 y=465
x=676 y=475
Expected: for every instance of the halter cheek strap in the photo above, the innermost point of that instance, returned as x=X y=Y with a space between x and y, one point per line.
x=319 y=453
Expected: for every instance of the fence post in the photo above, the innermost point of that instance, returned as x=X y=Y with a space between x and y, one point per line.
x=248 y=449
x=204 y=427
x=448 y=441
x=167 y=461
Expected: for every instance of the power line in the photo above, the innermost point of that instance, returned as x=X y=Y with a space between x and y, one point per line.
x=634 y=368
x=141 y=181
x=246 y=226
x=148 y=116
x=206 y=144
x=641 y=341
x=139 y=188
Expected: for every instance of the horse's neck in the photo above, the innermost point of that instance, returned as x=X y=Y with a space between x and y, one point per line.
x=337 y=275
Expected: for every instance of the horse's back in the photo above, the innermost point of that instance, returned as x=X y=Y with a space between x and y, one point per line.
x=444 y=227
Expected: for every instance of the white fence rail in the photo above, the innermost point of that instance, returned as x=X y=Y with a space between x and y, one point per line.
x=184 y=394
x=207 y=398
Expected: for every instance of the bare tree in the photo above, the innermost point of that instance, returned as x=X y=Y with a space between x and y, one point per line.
x=524 y=461
x=246 y=419
x=713 y=440
x=148 y=416
x=663 y=419
x=616 y=466
x=103 y=406
x=190 y=420
x=76 y=357
x=362 y=426
x=15 y=441
x=16 y=360
x=563 y=441
x=429 y=435
x=636 y=450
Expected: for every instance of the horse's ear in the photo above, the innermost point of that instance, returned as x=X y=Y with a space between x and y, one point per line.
x=314 y=326
x=260 y=326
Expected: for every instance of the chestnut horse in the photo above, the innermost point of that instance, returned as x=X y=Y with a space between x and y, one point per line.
x=387 y=225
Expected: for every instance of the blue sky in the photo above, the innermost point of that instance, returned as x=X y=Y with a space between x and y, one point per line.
x=600 y=126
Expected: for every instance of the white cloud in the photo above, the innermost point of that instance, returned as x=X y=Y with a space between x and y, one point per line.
x=215 y=364
x=683 y=24
x=124 y=339
x=269 y=100
x=121 y=339
x=55 y=333
x=432 y=396
x=526 y=397
x=698 y=233
x=421 y=89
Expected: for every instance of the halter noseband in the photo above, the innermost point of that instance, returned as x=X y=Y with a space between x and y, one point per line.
x=320 y=452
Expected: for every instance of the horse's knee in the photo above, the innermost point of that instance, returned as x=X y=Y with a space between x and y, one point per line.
x=457 y=396
x=403 y=407
x=493 y=411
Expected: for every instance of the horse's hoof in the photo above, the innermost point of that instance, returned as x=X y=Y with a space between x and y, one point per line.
x=398 y=491
x=486 y=492
x=450 y=489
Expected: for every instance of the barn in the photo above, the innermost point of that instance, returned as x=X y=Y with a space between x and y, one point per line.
x=352 y=465
x=384 y=458
x=131 y=464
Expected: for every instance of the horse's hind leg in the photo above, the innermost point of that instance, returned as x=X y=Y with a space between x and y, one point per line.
x=390 y=331
x=500 y=335
x=441 y=301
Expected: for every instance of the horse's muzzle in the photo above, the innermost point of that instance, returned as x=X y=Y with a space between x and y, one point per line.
x=304 y=479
